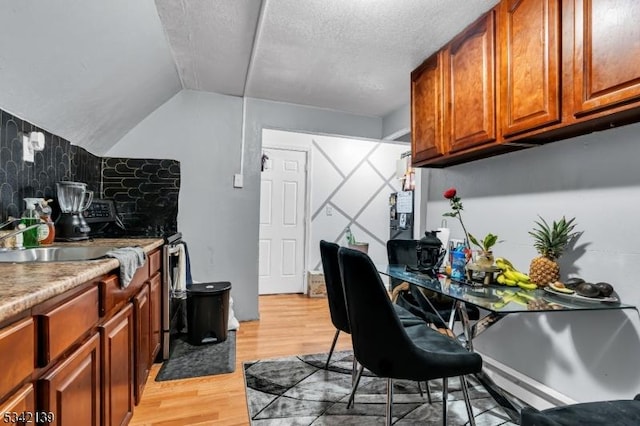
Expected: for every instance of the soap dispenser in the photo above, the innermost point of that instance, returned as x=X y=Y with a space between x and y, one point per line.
x=30 y=217
x=46 y=232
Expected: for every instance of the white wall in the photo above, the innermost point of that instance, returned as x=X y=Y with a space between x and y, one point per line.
x=87 y=71
x=350 y=183
x=204 y=132
x=397 y=122
x=586 y=356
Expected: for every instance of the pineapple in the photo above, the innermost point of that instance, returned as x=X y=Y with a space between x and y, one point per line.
x=550 y=242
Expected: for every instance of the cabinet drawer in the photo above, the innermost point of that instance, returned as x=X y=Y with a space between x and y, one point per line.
x=155 y=262
x=22 y=401
x=17 y=354
x=113 y=296
x=67 y=323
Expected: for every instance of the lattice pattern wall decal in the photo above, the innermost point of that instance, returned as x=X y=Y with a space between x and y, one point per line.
x=351 y=181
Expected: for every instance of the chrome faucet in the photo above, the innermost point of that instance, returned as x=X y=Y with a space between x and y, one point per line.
x=8 y=222
x=19 y=231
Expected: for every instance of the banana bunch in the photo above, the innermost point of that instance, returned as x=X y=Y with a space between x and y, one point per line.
x=507 y=296
x=510 y=276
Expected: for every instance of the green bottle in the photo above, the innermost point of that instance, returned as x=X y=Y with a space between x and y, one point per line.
x=28 y=218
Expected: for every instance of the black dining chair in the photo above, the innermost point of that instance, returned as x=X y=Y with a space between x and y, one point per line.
x=338 y=308
x=434 y=310
x=335 y=295
x=386 y=348
x=605 y=413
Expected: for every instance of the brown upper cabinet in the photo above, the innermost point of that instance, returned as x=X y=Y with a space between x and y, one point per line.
x=529 y=34
x=528 y=72
x=470 y=113
x=607 y=54
x=426 y=109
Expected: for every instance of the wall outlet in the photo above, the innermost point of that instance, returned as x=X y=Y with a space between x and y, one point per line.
x=237 y=180
x=27 y=150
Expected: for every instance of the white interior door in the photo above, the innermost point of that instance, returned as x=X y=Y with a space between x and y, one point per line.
x=282 y=202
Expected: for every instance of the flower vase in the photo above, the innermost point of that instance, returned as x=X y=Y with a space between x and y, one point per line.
x=484 y=259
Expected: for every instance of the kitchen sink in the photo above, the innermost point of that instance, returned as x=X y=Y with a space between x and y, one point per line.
x=52 y=254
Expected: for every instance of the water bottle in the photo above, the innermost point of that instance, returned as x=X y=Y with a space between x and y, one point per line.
x=458 y=264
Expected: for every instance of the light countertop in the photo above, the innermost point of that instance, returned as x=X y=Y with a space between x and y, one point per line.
x=24 y=285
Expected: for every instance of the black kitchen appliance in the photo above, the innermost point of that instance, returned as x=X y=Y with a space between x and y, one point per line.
x=73 y=199
x=430 y=253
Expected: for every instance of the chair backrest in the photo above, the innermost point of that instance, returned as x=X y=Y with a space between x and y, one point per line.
x=378 y=337
x=402 y=252
x=333 y=282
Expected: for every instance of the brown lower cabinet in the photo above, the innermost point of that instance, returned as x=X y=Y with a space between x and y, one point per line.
x=116 y=337
x=83 y=357
x=142 y=318
x=155 y=297
x=71 y=391
x=19 y=409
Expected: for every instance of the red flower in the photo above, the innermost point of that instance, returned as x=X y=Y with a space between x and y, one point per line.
x=456 y=206
x=450 y=193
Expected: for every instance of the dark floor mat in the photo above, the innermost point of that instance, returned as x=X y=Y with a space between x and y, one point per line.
x=186 y=360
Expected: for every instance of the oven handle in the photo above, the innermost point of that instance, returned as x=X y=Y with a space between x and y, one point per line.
x=173 y=250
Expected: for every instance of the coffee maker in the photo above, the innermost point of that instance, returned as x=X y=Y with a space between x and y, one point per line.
x=73 y=199
x=430 y=253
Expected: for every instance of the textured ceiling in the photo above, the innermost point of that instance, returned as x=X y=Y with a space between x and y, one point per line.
x=90 y=71
x=348 y=55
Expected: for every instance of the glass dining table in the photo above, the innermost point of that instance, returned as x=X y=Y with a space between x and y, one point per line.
x=495 y=301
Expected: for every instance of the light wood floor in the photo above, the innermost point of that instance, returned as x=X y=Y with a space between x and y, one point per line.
x=289 y=325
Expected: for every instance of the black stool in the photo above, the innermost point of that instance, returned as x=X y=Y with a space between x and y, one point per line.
x=208 y=312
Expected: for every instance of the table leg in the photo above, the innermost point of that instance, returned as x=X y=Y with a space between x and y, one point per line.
x=466 y=325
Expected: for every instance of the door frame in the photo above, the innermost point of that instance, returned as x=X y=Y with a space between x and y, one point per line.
x=307 y=203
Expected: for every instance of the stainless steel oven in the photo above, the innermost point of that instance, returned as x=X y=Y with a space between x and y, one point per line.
x=173 y=298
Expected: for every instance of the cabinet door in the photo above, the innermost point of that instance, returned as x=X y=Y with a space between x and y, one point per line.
x=20 y=408
x=17 y=354
x=142 y=317
x=155 y=309
x=607 y=54
x=426 y=110
x=471 y=116
x=71 y=391
x=117 y=367
x=529 y=64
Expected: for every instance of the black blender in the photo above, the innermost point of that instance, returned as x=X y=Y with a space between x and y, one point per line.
x=73 y=199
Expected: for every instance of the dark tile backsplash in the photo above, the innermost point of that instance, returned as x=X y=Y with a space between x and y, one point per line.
x=86 y=167
x=145 y=191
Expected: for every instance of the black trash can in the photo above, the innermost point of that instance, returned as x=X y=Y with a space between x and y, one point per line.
x=208 y=312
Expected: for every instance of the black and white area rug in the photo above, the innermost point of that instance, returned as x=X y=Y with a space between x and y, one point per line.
x=298 y=391
x=187 y=360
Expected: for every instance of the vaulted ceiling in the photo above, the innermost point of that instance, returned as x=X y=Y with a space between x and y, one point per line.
x=91 y=71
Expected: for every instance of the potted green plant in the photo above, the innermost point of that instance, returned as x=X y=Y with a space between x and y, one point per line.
x=484 y=257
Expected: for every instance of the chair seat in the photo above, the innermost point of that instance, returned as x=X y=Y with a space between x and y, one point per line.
x=432 y=356
x=441 y=355
x=618 y=413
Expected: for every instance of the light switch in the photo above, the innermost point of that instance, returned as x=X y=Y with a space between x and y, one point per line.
x=328 y=211
x=237 y=180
